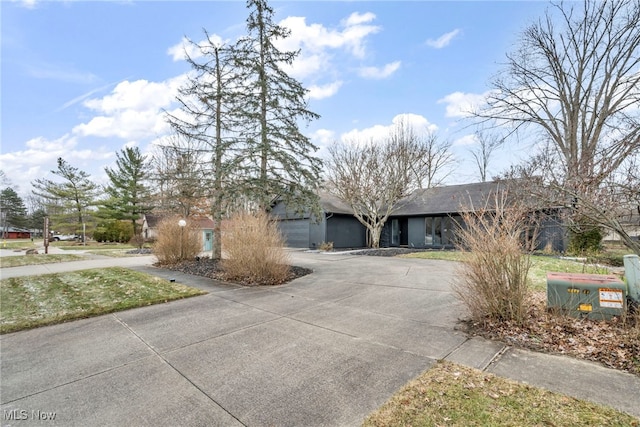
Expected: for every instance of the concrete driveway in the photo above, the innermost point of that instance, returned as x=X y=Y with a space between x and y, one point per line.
x=326 y=349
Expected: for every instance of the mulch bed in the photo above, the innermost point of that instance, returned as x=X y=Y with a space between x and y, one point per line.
x=207 y=267
x=614 y=343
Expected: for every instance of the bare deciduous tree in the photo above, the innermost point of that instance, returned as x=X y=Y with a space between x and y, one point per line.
x=576 y=77
x=432 y=157
x=613 y=204
x=373 y=176
x=179 y=172
x=487 y=143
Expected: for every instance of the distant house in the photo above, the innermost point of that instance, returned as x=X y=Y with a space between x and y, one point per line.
x=16 y=233
x=425 y=219
x=631 y=224
x=150 y=228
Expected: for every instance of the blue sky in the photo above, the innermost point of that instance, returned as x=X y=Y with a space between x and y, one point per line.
x=83 y=79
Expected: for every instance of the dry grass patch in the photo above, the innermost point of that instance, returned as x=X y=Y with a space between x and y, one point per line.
x=493 y=280
x=453 y=395
x=176 y=243
x=254 y=251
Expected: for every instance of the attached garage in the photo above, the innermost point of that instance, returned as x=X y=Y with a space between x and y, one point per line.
x=295 y=232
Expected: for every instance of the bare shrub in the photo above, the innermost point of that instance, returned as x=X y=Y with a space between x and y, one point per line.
x=326 y=246
x=254 y=250
x=175 y=243
x=493 y=282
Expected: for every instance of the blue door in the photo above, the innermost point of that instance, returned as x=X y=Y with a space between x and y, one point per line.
x=208 y=240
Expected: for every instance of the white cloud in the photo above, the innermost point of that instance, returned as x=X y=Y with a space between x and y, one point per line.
x=322 y=48
x=377 y=132
x=460 y=104
x=29 y=4
x=40 y=155
x=358 y=18
x=469 y=139
x=443 y=40
x=323 y=137
x=133 y=110
x=379 y=72
x=324 y=91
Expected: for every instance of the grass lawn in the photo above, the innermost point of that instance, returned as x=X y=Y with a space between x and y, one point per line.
x=17 y=261
x=540 y=265
x=32 y=301
x=17 y=244
x=453 y=395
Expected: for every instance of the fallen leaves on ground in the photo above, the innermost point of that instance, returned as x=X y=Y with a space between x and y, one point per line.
x=614 y=343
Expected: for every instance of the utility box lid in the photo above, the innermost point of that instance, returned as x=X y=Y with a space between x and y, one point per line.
x=586 y=295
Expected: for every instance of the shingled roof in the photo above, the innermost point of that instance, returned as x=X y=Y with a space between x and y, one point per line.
x=333 y=204
x=430 y=201
x=449 y=199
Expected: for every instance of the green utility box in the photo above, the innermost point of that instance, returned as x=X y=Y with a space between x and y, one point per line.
x=586 y=295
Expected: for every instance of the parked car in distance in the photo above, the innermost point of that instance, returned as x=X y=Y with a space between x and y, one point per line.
x=64 y=237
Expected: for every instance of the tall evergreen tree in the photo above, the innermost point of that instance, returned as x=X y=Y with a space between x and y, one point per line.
x=129 y=196
x=14 y=213
x=67 y=201
x=277 y=160
x=210 y=103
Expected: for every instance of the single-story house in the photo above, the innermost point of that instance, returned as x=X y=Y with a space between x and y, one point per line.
x=336 y=224
x=426 y=218
x=16 y=233
x=150 y=228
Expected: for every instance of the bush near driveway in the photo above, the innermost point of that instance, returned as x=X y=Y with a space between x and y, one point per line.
x=174 y=243
x=254 y=251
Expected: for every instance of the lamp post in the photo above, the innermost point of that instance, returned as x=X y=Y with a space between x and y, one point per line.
x=181 y=223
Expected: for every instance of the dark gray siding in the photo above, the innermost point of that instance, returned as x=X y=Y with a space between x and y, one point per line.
x=279 y=211
x=317 y=232
x=345 y=232
x=295 y=232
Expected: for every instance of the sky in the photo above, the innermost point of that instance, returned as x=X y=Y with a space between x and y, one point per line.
x=82 y=80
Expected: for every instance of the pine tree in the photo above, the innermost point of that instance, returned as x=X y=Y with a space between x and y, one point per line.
x=277 y=159
x=208 y=128
x=14 y=213
x=67 y=201
x=129 y=196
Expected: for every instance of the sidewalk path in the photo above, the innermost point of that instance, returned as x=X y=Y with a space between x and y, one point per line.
x=61 y=267
x=323 y=350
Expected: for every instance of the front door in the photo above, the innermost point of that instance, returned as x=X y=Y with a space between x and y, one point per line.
x=395 y=232
x=208 y=240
